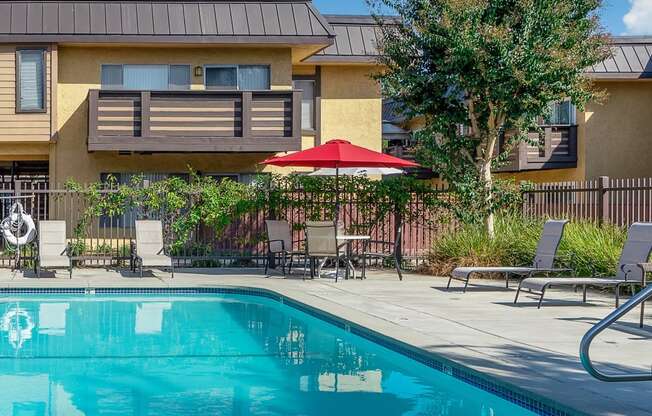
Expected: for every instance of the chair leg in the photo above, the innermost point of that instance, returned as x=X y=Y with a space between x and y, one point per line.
x=172 y=269
x=518 y=292
x=448 y=286
x=617 y=296
x=291 y=261
x=364 y=266
x=506 y=280
x=283 y=259
x=466 y=284
x=642 y=314
x=584 y=293
x=141 y=269
x=305 y=266
x=267 y=264
x=543 y=292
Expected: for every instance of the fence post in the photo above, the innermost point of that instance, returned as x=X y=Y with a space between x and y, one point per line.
x=603 y=200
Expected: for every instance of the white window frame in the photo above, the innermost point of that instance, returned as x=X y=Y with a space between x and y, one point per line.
x=168 y=65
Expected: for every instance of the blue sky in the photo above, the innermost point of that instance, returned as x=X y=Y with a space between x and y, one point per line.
x=636 y=13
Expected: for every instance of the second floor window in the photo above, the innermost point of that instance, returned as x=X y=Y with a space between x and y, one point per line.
x=30 y=81
x=146 y=77
x=562 y=113
x=237 y=77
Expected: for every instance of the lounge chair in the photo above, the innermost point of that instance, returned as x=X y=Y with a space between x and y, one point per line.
x=544 y=260
x=636 y=250
x=279 y=243
x=53 y=249
x=321 y=242
x=149 y=250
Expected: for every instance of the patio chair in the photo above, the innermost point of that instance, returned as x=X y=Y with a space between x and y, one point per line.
x=321 y=242
x=389 y=250
x=628 y=273
x=149 y=250
x=53 y=249
x=280 y=244
x=544 y=259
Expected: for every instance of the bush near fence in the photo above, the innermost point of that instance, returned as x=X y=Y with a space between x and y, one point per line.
x=242 y=242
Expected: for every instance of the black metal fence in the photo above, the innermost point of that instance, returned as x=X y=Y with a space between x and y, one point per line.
x=242 y=243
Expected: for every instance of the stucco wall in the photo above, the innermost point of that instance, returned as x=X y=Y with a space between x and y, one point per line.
x=79 y=71
x=618 y=134
x=351 y=106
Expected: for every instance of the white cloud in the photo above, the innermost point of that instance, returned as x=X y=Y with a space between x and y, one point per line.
x=638 y=20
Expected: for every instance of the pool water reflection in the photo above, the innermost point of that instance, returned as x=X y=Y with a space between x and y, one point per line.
x=208 y=355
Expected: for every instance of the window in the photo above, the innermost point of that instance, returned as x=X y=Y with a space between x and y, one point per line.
x=562 y=113
x=241 y=77
x=30 y=94
x=307 y=103
x=146 y=77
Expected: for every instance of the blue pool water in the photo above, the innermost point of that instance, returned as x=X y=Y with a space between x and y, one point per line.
x=208 y=355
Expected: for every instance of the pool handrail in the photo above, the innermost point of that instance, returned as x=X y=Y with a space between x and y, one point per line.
x=585 y=344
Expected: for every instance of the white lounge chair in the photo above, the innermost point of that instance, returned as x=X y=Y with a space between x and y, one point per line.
x=149 y=250
x=53 y=248
x=544 y=260
x=628 y=273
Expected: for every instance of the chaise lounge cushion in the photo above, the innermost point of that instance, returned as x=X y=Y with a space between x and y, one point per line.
x=156 y=260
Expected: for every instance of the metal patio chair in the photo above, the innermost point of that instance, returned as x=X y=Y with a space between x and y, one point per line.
x=628 y=273
x=544 y=260
x=280 y=244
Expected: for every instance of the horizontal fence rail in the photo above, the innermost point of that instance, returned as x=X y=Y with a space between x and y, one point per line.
x=242 y=243
x=604 y=200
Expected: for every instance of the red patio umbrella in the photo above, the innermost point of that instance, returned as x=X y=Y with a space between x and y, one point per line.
x=338 y=154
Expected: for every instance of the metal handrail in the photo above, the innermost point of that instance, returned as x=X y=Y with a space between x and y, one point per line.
x=585 y=345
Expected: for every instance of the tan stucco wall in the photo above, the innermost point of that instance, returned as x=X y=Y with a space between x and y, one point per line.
x=351 y=106
x=618 y=134
x=79 y=71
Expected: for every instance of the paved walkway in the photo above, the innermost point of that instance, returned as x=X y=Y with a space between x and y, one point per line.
x=534 y=349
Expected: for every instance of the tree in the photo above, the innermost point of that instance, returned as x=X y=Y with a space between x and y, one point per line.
x=479 y=70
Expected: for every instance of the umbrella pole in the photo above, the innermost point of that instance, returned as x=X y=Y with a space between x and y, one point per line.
x=337 y=194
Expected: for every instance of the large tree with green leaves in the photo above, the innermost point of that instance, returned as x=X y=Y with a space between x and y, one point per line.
x=479 y=70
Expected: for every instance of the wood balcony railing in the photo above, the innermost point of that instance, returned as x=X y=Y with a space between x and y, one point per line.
x=194 y=121
x=555 y=149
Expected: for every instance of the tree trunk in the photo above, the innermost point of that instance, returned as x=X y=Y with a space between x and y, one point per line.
x=487 y=180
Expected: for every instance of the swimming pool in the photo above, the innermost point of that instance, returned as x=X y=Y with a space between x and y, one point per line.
x=207 y=354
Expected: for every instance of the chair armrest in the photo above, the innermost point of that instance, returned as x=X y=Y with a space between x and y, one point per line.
x=631 y=268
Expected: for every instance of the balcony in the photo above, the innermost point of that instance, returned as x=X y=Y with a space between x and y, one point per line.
x=555 y=149
x=194 y=121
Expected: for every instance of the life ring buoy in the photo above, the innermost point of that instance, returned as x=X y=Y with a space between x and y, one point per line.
x=15 y=222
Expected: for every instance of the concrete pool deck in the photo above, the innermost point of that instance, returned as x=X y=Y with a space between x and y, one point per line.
x=536 y=350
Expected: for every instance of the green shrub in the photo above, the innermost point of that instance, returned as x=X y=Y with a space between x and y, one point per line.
x=591 y=249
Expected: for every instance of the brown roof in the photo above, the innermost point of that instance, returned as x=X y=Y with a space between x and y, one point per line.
x=356 y=40
x=631 y=59
x=261 y=21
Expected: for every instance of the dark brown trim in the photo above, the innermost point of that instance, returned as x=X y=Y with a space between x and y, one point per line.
x=193 y=144
x=44 y=95
x=258 y=40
